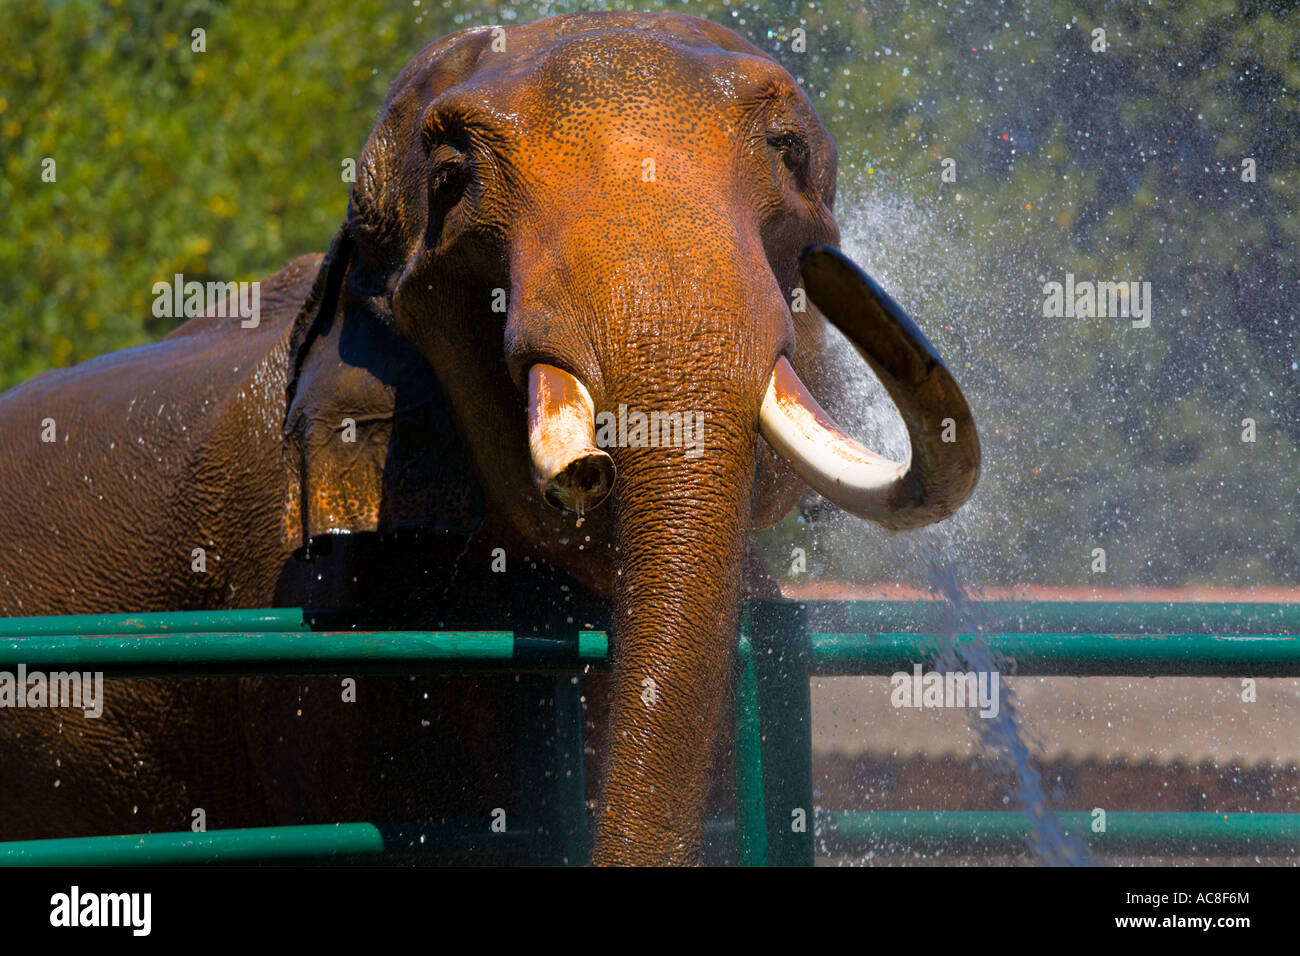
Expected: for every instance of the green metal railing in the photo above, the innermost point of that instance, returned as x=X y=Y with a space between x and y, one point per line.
x=781 y=645
x=967 y=831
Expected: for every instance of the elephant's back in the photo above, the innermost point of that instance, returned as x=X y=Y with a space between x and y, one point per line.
x=113 y=472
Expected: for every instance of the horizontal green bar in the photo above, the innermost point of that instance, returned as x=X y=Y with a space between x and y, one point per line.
x=164 y=622
x=1035 y=617
x=1003 y=831
x=217 y=846
x=314 y=842
x=270 y=652
x=1146 y=655
x=875 y=617
x=1217 y=834
x=280 y=640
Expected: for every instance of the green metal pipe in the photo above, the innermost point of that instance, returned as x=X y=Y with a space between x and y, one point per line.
x=1089 y=617
x=569 y=826
x=878 y=617
x=164 y=622
x=217 y=846
x=779 y=653
x=270 y=652
x=326 y=842
x=1146 y=655
x=751 y=813
x=881 y=617
x=1218 y=834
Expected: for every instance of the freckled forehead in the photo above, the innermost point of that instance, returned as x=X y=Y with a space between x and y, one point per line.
x=584 y=81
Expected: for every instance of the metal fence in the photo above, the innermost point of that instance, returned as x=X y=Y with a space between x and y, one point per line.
x=781 y=646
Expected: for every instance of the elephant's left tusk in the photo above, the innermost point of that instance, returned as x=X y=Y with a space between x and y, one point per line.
x=572 y=473
x=944 y=463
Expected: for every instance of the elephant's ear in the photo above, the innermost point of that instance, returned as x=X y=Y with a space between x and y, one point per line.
x=369 y=433
x=318 y=311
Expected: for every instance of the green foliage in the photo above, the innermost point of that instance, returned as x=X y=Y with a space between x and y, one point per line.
x=1122 y=164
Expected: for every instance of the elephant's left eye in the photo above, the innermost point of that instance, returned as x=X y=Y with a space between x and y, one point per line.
x=450 y=169
x=792 y=147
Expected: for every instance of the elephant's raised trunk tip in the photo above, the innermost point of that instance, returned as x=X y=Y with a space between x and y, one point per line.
x=572 y=473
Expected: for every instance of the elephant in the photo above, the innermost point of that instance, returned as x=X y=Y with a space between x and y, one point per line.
x=577 y=312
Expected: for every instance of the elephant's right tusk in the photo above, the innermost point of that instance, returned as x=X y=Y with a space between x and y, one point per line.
x=572 y=473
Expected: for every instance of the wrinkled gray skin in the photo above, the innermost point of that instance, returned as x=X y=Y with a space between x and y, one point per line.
x=516 y=170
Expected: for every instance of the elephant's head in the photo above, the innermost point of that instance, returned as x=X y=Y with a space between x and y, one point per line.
x=599 y=217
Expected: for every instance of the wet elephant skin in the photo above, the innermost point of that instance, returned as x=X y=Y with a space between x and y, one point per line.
x=636 y=189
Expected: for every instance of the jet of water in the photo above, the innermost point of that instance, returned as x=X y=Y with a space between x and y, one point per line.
x=964 y=648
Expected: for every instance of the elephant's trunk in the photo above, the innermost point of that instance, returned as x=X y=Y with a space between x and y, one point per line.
x=682 y=329
x=682 y=528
